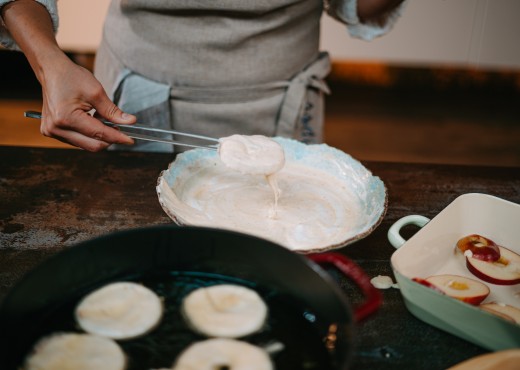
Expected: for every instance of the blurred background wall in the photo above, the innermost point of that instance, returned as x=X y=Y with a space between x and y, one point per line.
x=477 y=33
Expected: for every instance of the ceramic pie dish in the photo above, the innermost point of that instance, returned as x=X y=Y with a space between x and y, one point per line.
x=327 y=198
x=431 y=252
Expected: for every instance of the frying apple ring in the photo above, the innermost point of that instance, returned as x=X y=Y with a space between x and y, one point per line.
x=76 y=351
x=223 y=353
x=224 y=310
x=120 y=310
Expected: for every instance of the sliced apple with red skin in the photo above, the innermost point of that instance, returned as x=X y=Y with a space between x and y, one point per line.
x=427 y=284
x=504 y=271
x=460 y=287
x=505 y=311
x=481 y=247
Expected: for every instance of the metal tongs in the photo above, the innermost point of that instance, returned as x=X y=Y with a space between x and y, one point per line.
x=128 y=130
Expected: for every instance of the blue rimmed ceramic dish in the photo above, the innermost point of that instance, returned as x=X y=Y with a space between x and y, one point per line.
x=344 y=192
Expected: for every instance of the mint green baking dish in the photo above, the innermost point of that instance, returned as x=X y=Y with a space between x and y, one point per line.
x=430 y=252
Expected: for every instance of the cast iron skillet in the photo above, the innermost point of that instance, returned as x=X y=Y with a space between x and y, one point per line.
x=308 y=313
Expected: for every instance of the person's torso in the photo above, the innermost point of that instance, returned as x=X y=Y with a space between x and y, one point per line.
x=214 y=42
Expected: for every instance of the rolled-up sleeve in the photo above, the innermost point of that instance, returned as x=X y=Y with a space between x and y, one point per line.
x=5 y=38
x=345 y=11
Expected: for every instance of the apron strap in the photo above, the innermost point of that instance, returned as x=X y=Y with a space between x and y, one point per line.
x=312 y=76
x=235 y=94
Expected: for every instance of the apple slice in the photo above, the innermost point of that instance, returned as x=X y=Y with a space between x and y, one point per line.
x=481 y=248
x=505 y=311
x=504 y=271
x=460 y=287
x=427 y=284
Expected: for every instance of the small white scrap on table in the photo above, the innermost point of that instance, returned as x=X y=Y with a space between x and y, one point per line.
x=383 y=282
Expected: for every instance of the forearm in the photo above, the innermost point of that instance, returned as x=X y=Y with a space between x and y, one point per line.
x=30 y=25
x=375 y=10
x=69 y=91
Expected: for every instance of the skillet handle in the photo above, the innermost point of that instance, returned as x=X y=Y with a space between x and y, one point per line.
x=373 y=297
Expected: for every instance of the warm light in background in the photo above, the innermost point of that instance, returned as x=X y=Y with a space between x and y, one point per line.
x=81 y=24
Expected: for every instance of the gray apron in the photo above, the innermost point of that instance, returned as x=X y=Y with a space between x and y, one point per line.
x=254 y=69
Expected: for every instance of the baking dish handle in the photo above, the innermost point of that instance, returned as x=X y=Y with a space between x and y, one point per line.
x=351 y=270
x=395 y=238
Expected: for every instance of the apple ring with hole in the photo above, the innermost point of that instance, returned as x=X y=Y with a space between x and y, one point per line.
x=224 y=310
x=75 y=351
x=121 y=310
x=223 y=353
x=507 y=312
x=481 y=247
x=460 y=287
x=477 y=253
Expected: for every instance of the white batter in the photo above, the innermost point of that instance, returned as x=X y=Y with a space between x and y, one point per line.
x=252 y=154
x=383 y=282
x=315 y=209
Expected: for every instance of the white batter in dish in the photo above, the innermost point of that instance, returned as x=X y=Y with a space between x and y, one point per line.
x=324 y=200
x=314 y=209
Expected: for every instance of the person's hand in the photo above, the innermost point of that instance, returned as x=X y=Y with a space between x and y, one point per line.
x=70 y=92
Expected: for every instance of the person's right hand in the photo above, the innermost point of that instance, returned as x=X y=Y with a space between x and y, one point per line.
x=70 y=92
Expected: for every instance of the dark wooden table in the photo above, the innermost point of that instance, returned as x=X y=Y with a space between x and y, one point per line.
x=51 y=199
